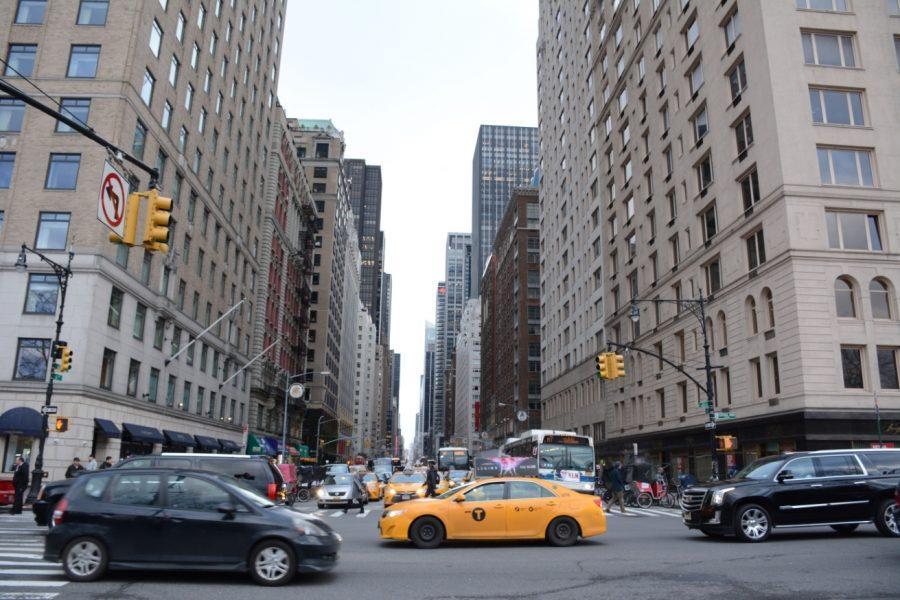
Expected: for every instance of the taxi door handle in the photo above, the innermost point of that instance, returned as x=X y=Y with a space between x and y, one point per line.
x=498 y=506
x=551 y=504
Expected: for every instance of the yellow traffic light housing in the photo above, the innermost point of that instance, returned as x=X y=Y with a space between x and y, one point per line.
x=601 y=366
x=65 y=359
x=132 y=214
x=62 y=424
x=618 y=365
x=156 y=224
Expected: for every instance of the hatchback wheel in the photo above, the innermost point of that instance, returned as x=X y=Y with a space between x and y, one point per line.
x=752 y=523
x=887 y=519
x=84 y=559
x=562 y=531
x=272 y=563
x=426 y=533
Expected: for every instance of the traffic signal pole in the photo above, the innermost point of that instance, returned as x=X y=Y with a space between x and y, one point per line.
x=710 y=399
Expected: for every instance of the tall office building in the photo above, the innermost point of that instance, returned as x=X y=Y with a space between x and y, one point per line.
x=426 y=394
x=505 y=157
x=365 y=392
x=738 y=151
x=365 y=200
x=189 y=88
x=384 y=323
x=452 y=294
x=467 y=372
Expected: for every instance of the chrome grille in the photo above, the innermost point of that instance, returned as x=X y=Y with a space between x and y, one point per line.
x=692 y=499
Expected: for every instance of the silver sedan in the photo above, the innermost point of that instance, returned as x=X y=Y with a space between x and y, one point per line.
x=340 y=490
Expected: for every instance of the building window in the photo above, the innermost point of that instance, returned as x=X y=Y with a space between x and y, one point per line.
x=322 y=150
x=7 y=162
x=186 y=396
x=12 y=113
x=76 y=109
x=31 y=12
x=691 y=34
x=42 y=294
x=836 y=107
x=167 y=116
x=844 y=298
x=713 y=277
x=62 y=171
x=318 y=188
x=83 y=61
x=156 y=35
x=853 y=231
x=851 y=364
x=696 y=78
x=824 y=5
x=174 y=67
x=732 y=28
x=170 y=391
x=880 y=298
x=737 y=80
x=53 y=231
x=752 y=317
x=93 y=12
x=708 y=222
x=845 y=166
x=700 y=124
x=829 y=49
x=20 y=60
x=189 y=97
x=140 y=137
x=147 y=87
x=32 y=356
x=769 y=303
x=107 y=366
x=750 y=189
x=153 y=385
x=140 y=318
x=134 y=372
x=743 y=133
x=887 y=368
x=114 y=315
x=756 y=249
x=775 y=377
x=704 y=172
x=756 y=374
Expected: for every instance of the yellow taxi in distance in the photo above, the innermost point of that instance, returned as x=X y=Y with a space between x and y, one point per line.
x=374 y=486
x=404 y=486
x=514 y=508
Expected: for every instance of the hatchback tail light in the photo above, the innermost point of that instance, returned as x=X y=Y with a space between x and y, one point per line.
x=272 y=490
x=59 y=511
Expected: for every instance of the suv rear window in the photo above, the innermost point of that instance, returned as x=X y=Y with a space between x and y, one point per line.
x=247 y=469
x=838 y=466
x=168 y=462
x=137 y=463
x=886 y=463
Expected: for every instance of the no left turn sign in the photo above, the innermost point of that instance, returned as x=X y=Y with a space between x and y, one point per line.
x=114 y=190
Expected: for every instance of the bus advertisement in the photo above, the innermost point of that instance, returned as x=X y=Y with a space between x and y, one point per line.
x=563 y=456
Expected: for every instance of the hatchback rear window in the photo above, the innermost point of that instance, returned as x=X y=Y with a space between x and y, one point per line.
x=136 y=490
x=95 y=486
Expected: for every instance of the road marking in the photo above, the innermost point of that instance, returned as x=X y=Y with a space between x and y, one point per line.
x=620 y=514
x=661 y=512
x=320 y=513
x=363 y=514
x=19 y=555
x=28 y=595
x=643 y=512
x=337 y=514
x=30 y=583
x=56 y=571
x=28 y=563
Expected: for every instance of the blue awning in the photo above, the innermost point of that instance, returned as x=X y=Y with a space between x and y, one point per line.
x=207 y=443
x=141 y=433
x=23 y=421
x=176 y=438
x=107 y=428
x=229 y=446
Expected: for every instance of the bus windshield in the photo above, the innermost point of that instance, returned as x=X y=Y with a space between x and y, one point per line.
x=453 y=459
x=565 y=457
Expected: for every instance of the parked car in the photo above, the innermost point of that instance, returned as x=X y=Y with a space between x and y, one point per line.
x=841 y=489
x=254 y=470
x=183 y=520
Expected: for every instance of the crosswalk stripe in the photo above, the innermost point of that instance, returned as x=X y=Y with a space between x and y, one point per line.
x=28 y=563
x=642 y=511
x=337 y=513
x=660 y=512
x=56 y=571
x=20 y=555
x=31 y=583
x=363 y=514
x=28 y=595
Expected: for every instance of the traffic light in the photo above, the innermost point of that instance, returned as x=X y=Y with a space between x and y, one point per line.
x=726 y=443
x=602 y=373
x=132 y=214
x=618 y=365
x=62 y=424
x=156 y=228
x=65 y=359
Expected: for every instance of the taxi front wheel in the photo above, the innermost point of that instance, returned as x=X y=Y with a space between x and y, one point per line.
x=426 y=533
x=562 y=531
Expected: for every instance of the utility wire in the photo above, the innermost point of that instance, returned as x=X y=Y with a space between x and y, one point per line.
x=68 y=113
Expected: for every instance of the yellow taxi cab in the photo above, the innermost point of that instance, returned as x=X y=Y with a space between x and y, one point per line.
x=374 y=486
x=514 y=508
x=402 y=486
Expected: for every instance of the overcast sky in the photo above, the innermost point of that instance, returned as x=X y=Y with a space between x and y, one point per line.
x=409 y=82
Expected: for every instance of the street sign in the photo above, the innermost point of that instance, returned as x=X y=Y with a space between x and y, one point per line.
x=296 y=390
x=704 y=405
x=57 y=377
x=724 y=416
x=49 y=410
x=709 y=425
x=522 y=416
x=114 y=190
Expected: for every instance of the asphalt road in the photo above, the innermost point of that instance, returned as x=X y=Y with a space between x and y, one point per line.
x=647 y=556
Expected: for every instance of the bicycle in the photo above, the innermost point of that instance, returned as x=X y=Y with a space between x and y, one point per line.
x=637 y=495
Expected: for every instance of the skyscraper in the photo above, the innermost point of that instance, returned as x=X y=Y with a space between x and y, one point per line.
x=364 y=182
x=505 y=157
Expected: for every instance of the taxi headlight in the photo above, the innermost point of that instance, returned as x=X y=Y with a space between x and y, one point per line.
x=420 y=493
x=719 y=496
x=390 y=514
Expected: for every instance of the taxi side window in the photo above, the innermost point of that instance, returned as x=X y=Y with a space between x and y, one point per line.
x=521 y=490
x=485 y=493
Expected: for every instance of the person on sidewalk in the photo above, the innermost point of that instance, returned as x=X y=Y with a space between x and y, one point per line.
x=74 y=469
x=617 y=486
x=91 y=464
x=106 y=463
x=20 y=484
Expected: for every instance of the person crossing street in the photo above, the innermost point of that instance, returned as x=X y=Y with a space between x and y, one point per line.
x=617 y=479
x=432 y=479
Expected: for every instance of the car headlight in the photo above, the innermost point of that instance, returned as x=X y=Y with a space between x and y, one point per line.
x=420 y=493
x=320 y=493
x=390 y=514
x=719 y=496
x=307 y=527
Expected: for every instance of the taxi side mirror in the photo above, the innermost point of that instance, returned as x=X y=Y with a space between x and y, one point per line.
x=459 y=498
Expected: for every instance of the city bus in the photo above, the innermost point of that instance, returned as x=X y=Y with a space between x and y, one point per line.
x=453 y=458
x=563 y=456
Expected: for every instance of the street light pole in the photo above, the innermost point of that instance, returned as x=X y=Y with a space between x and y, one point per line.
x=62 y=275
x=318 y=431
x=284 y=424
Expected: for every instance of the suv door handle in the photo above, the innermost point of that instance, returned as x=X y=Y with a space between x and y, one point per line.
x=815 y=485
x=860 y=482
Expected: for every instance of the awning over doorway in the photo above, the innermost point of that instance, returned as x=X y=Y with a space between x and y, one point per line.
x=207 y=443
x=177 y=438
x=21 y=420
x=229 y=446
x=107 y=428
x=142 y=433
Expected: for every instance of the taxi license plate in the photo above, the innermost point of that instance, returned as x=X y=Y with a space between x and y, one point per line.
x=404 y=497
x=687 y=516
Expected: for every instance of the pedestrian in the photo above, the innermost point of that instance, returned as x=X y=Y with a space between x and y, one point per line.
x=106 y=463
x=617 y=486
x=74 y=469
x=91 y=464
x=357 y=489
x=20 y=484
x=432 y=478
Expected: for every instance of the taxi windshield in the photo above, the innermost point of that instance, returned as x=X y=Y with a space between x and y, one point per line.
x=764 y=468
x=408 y=478
x=562 y=456
x=456 y=490
x=339 y=480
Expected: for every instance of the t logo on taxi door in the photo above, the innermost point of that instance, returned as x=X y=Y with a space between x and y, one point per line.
x=478 y=514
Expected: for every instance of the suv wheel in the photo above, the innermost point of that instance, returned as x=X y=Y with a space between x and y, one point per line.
x=752 y=523
x=887 y=518
x=272 y=563
x=84 y=559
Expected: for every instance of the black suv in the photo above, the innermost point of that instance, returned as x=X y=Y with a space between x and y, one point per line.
x=842 y=489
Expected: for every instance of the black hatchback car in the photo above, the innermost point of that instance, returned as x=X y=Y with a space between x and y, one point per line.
x=842 y=489
x=183 y=520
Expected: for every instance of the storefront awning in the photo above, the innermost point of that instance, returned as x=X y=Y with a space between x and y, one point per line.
x=177 y=438
x=229 y=446
x=107 y=428
x=21 y=420
x=207 y=443
x=142 y=433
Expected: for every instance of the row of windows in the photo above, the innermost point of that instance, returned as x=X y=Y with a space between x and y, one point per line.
x=90 y=12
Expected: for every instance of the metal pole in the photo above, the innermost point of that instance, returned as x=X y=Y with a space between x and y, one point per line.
x=37 y=475
x=199 y=335
x=318 y=430
x=284 y=450
x=252 y=360
x=710 y=408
